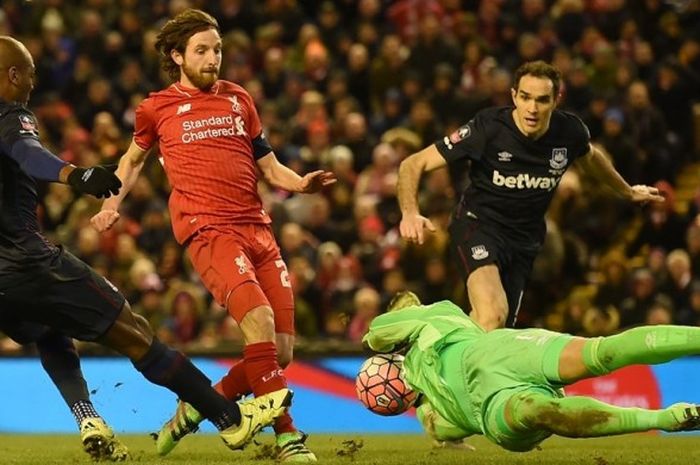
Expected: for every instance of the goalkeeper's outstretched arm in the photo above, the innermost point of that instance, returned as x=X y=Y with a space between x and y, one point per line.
x=392 y=330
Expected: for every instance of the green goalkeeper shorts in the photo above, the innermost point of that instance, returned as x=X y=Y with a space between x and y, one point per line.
x=498 y=365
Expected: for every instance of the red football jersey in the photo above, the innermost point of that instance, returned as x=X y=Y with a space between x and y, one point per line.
x=205 y=142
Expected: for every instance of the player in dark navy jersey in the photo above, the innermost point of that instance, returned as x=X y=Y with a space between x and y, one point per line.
x=22 y=248
x=518 y=155
x=43 y=287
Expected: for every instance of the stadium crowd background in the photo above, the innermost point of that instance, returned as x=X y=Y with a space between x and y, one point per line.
x=356 y=86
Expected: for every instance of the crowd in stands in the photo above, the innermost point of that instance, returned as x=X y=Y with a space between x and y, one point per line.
x=355 y=86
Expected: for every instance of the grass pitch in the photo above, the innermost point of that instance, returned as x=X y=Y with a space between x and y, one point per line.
x=367 y=450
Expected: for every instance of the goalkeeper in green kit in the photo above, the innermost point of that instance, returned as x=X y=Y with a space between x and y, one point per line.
x=507 y=384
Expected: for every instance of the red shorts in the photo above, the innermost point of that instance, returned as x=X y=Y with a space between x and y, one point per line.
x=242 y=267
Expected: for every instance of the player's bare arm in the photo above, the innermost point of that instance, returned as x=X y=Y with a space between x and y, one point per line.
x=410 y=172
x=597 y=164
x=282 y=177
x=128 y=171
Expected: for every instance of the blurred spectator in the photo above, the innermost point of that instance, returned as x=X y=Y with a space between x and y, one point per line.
x=660 y=312
x=359 y=75
x=620 y=146
x=680 y=276
x=436 y=286
x=671 y=94
x=634 y=308
x=447 y=100
x=368 y=250
x=184 y=322
x=648 y=130
x=308 y=317
x=155 y=228
x=422 y=121
x=347 y=280
x=311 y=110
x=388 y=68
x=371 y=179
x=366 y=304
x=356 y=137
x=692 y=240
x=662 y=226
x=294 y=241
x=690 y=315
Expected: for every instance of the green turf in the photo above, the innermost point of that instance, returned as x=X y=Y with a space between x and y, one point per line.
x=374 y=450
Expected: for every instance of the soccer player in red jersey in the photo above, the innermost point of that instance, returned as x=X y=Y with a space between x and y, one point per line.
x=211 y=140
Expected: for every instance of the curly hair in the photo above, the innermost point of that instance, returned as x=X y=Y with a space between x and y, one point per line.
x=177 y=32
x=538 y=69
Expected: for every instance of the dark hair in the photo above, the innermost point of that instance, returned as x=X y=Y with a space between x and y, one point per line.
x=538 y=69
x=175 y=34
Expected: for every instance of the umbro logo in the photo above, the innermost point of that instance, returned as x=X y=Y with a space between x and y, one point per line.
x=505 y=156
x=479 y=252
x=184 y=108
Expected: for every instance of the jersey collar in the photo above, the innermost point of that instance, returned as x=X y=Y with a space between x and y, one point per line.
x=190 y=91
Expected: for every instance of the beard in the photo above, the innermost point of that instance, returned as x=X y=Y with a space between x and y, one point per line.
x=201 y=80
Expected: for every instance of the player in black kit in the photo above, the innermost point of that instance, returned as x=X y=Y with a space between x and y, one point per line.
x=43 y=286
x=518 y=155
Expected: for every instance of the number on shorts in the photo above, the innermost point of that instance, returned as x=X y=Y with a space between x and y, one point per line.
x=284 y=274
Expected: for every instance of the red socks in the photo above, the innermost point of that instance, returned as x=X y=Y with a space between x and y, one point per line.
x=234 y=384
x=260 y=365
x=261 y=368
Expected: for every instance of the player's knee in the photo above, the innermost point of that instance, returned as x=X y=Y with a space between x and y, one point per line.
x=535 y=410
x=138 y=324
x=130 y=335
x=144 y=327
x=491 y=319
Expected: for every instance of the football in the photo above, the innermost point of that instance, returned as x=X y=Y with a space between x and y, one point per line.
x=380 y=385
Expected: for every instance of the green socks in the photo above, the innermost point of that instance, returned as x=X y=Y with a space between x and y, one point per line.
x=580 y=417
x=647 y=345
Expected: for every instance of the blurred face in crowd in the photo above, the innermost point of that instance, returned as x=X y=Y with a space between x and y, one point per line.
x=638 y=95
x=201 y=62
x=534 y=101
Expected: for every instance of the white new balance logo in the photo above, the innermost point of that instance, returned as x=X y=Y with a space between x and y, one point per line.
x=183 y=108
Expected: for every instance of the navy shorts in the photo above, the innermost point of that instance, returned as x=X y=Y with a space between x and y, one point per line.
x=62 y=293
x=474 y=244
x=22 y=332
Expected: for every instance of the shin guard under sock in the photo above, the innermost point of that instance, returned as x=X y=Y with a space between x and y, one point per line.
x=262 y=370
x=644 y=345
x=60 y=360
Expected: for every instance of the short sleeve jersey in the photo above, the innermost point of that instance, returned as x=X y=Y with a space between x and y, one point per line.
x=206 y=147
x=513 y=178
x=20 y=239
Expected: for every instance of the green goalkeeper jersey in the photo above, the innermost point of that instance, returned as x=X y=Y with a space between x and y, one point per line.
x=437 y=335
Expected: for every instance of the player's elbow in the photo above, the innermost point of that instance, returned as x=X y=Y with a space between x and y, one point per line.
x=270 y=172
